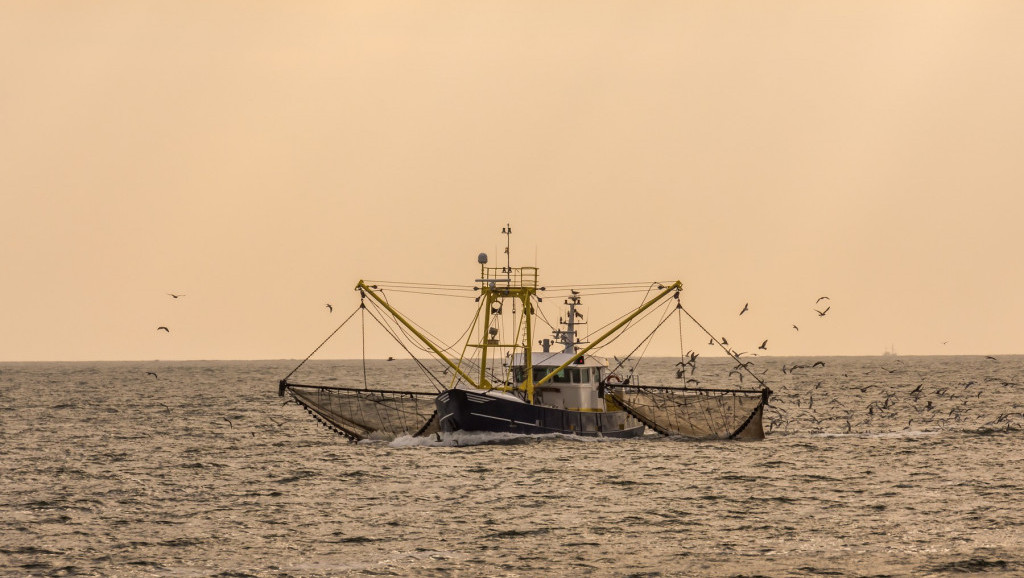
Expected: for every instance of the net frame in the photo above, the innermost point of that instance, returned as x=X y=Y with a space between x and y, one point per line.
x=368 y=413
x=698 y=413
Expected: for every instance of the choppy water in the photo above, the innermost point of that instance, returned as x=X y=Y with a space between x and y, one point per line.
x=106 y=470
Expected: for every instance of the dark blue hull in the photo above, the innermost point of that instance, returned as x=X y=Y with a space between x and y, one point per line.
x=462 y=410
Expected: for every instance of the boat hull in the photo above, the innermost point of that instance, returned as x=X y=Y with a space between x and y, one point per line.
x=463 y=410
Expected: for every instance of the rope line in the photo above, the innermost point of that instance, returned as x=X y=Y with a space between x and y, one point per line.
x=650 y=337
x=728 y=351
x=393 y=290
x=363 y=323
x=424 y=368
x=321 y=345
x=623 y=331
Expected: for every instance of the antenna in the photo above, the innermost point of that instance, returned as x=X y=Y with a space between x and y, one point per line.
x=507 y=231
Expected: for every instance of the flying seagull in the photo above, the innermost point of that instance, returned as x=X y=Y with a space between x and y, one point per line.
x=330 y=309
x=175 y=296
x=819 y=299
x=822 y=313
x=164 y=328
x=795 y=327
x=764 y=345
x=746 y=306
x=153 y=374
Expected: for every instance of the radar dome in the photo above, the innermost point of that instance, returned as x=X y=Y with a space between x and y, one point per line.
x=482 y=258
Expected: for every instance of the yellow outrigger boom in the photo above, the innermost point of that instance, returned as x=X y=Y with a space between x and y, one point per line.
x=677 y=286
x=363 y=287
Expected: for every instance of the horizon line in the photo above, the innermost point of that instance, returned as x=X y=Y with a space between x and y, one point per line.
x=296 y=359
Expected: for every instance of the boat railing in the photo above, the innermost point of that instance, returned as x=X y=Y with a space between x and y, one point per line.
x=510 y=277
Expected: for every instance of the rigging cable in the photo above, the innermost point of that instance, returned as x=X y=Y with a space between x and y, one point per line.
x=624 y=315
x=645 y=340
x=423 y=367
x=321 y=345
x=365 y=386
x=446 y=347
x=650 y=338
x=462 y=355
x=393 y=290
x=623 y=330
x=362 y=317
x=682 y=353
x=420 y=285
x=540 y=314
x=400 y=327
x=393 y=327
x=635 y=284
x=728 y=351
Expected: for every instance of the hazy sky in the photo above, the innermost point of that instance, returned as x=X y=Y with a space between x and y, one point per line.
x=262 y=157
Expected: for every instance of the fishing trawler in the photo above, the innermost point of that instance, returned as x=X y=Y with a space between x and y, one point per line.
x=498 y=383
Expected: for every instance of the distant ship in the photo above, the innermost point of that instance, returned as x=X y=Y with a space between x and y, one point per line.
x=891 y=352
x=500 y=384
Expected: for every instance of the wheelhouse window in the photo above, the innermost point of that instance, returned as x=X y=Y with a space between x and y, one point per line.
x=567 y=375
x=539 y=373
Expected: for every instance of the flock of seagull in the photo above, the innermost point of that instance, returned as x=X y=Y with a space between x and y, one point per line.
x=883 y=407
x=690 y=357
x=890 y=404
x=764 y=344
x=922 y=407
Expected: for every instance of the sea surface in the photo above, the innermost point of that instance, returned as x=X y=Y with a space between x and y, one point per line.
x=874 y=466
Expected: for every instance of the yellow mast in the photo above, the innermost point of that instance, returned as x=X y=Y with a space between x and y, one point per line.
x=498 y=283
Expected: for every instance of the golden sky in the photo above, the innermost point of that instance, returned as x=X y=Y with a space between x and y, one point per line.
x=262 y=157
